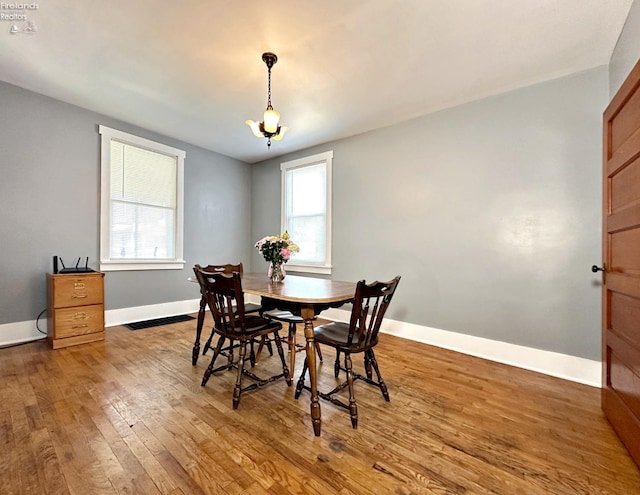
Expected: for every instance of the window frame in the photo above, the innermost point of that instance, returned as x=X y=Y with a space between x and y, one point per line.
x=326 y=157
x=107 y=135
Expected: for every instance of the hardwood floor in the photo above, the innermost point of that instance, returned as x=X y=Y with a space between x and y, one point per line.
x=128 y=415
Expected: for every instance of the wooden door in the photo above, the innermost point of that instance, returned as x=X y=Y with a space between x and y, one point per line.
x=621 y=240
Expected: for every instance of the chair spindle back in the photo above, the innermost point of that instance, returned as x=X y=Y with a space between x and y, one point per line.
x=224 y=296
x=369 y=307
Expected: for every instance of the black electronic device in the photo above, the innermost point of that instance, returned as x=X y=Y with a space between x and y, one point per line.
x=76 y=269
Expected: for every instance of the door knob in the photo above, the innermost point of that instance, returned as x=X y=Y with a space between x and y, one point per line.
x=596 y=269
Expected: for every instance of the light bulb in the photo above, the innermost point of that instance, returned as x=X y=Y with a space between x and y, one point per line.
x=271 y=118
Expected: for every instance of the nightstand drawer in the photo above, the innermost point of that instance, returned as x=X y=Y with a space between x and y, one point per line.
x=71 y=290
x=69 y=322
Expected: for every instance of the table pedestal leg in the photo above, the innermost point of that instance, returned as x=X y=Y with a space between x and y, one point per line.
x=308 y=315
x=196 y=345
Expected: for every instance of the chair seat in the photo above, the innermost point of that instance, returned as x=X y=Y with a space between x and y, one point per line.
x=336 y=334
x=286 y=316
x=256 y=325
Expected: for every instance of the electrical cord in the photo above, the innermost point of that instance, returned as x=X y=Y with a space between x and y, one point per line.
x=38 y=319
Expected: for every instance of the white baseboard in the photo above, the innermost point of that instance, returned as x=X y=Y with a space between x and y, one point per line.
x=575 y=369
x=22 y=331
x=571 y=368
x=26 y=331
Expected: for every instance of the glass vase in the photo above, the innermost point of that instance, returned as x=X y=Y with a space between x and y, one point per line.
x=276 y=272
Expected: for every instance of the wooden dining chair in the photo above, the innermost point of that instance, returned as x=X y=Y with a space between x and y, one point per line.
x=227 y=268
x=360 y=335
x=225 y=300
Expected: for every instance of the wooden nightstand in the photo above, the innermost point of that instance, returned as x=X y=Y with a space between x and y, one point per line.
x=75 y=308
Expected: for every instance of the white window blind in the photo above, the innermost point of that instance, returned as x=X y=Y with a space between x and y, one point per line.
x=143 y=203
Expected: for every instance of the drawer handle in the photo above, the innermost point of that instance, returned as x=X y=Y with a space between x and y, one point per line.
x=79 y=296
x=84 y=325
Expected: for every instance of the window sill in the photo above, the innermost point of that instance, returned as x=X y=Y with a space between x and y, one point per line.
x=112 y=265
x=324 y=270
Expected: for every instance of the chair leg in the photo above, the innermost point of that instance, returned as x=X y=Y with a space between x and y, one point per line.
x=230 y=353
x=367 y=365
x=353 y=408
x=300 y=384
x=285 y=370
x=291 y=344
x=237 y=390
x=196 y=344
x=207 y=344
x=318 y=351
x=260 y=347
x=209 y=369
x=381 y=384
x=264 y=341
x=336 y=364
x=252 y=355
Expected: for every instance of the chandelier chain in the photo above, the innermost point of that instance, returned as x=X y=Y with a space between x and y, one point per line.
x=269 y=92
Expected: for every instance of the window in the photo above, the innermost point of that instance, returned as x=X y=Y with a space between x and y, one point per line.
x=306 y=211
x=141 y=203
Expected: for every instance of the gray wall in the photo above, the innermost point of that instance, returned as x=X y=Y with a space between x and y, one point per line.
x=627 y=50
x=49 y=204
x=490 y=211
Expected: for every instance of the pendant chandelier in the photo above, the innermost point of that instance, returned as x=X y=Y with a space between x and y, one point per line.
x=269 y=126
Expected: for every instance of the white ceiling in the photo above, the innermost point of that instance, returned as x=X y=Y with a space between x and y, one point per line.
x=192 y=69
